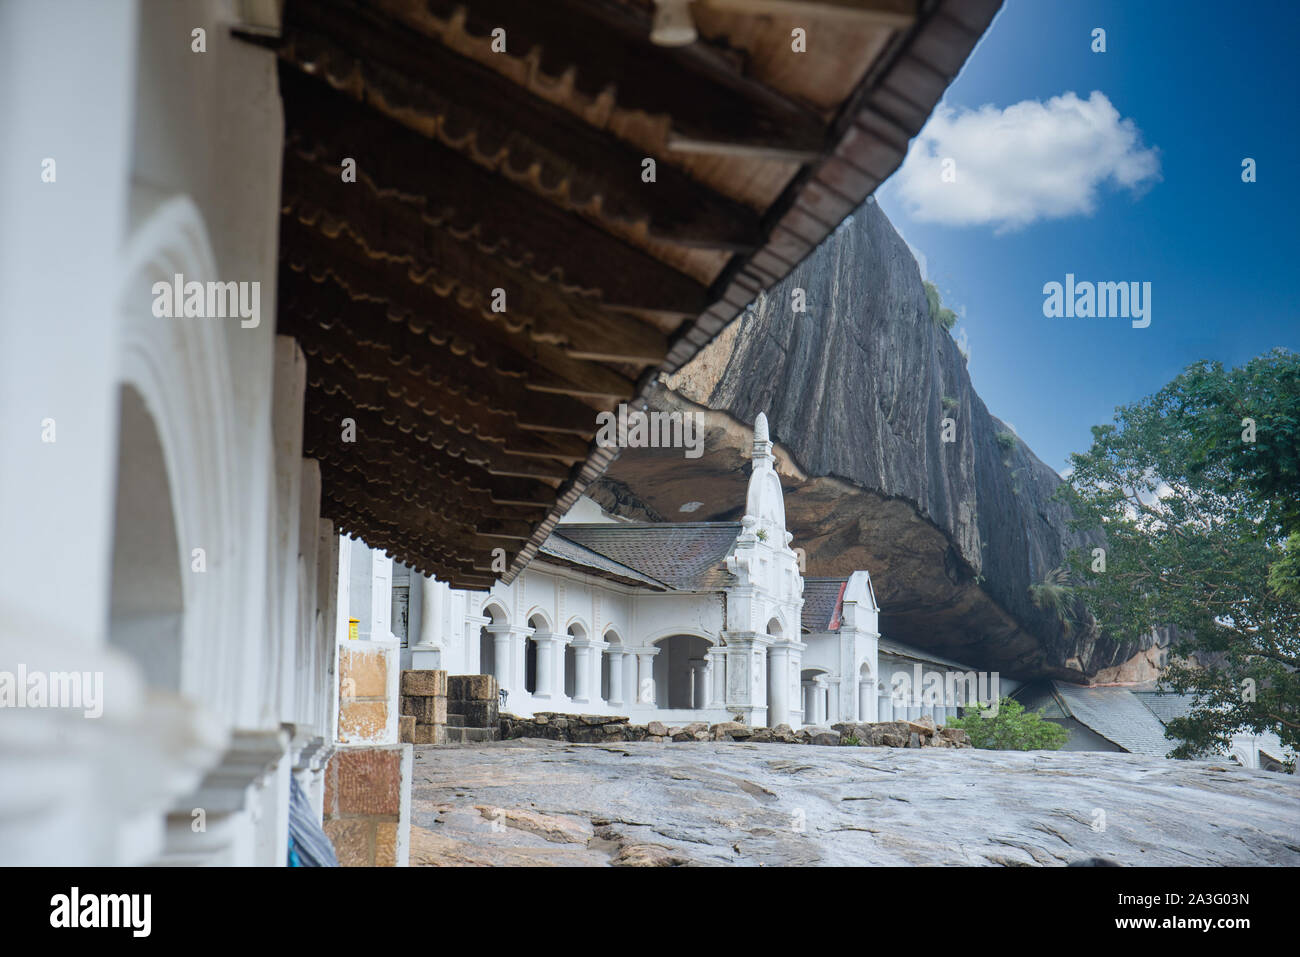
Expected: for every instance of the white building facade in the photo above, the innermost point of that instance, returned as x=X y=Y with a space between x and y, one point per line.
x=671 y=622
x=170 y=553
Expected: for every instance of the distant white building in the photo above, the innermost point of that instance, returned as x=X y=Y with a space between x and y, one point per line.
x=675 y=622
x=1133 y=719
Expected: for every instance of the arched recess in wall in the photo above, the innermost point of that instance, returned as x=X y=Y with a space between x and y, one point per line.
x=540 y=625
x=775 y=674
x=866 y=691
x=175 y=376
x=813 y=695
x=679 y=671
x=577 y=632
x=487 y=656
x=147 y=599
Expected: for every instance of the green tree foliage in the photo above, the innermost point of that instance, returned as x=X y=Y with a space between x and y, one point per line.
x=944 y=317
x=1057 y=595
x=1195 y=517
x=1011 y=729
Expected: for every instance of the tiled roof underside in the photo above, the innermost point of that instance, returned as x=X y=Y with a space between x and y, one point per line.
x=688 y=557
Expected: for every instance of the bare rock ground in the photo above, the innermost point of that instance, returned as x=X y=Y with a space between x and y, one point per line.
x=533 y=802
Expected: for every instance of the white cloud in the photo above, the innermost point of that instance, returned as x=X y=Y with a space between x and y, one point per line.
x=1028 y=162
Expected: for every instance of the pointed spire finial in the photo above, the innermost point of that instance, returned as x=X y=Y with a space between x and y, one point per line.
x=762 y=442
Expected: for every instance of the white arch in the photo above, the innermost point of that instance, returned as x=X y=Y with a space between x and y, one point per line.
x=613 y=636
x=500 y=616
x=577 y=622
x=539 y=612
x=180 y=369
x=690 y=632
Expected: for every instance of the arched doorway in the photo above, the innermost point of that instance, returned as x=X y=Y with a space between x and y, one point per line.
x=147 y=604
x=679 y=672
x=539 y=625
x=866 y=693
x=487 y=651
x=778 y=680
x=576 y=634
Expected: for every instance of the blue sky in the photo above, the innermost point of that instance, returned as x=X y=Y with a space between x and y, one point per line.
x=1143 y=184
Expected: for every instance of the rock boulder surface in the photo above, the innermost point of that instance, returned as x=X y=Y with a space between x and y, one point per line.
x=856 y=391
x=645 y=804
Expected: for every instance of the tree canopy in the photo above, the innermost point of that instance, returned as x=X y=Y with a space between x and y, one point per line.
x=1197 y=492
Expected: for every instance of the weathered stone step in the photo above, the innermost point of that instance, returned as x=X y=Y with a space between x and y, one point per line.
x=471 y=735
x=455 y=720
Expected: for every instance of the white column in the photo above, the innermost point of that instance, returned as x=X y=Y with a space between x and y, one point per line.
x=778 y=705
x=866 y=699
x=615 y=677
x=586 y=654
x=631 y=694
x=472 y=653
x=345 y=587
x=428 y=647
x=834 y=702
x=505 y=638
x=431 y=595
x=381 y=596
x=819 y=701
x=699 y=683
x=646 y=691
x=717 y=677
x=546 y=645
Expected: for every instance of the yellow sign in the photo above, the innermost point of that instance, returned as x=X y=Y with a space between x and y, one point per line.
x=353 y=623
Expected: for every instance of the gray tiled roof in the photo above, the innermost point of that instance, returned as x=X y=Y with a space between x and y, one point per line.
x=821 y=603
x=687 y=556
x=1166 y=707
x=566 y=552
x=899 y=650
x=1118 y=715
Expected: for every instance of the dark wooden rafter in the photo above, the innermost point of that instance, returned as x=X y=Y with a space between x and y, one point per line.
x=408 y=457
x=398 y=326
x=449 y=542
x=381 y=532
x=450 y=192
x=506 y=128
x=404 y=244
x=424 y=373
x=358 y=399
x=474 y=427
x=895 y=13
x=604 y=45
x=422 y=516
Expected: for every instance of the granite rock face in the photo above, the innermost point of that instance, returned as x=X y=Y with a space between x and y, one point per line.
x=740 y=804
x=856 y=391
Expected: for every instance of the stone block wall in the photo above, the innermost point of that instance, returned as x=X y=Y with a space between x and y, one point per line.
x=596 y=728
x=368 y=805
x=368 y=684
x=475 y=697
x=424 y=707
